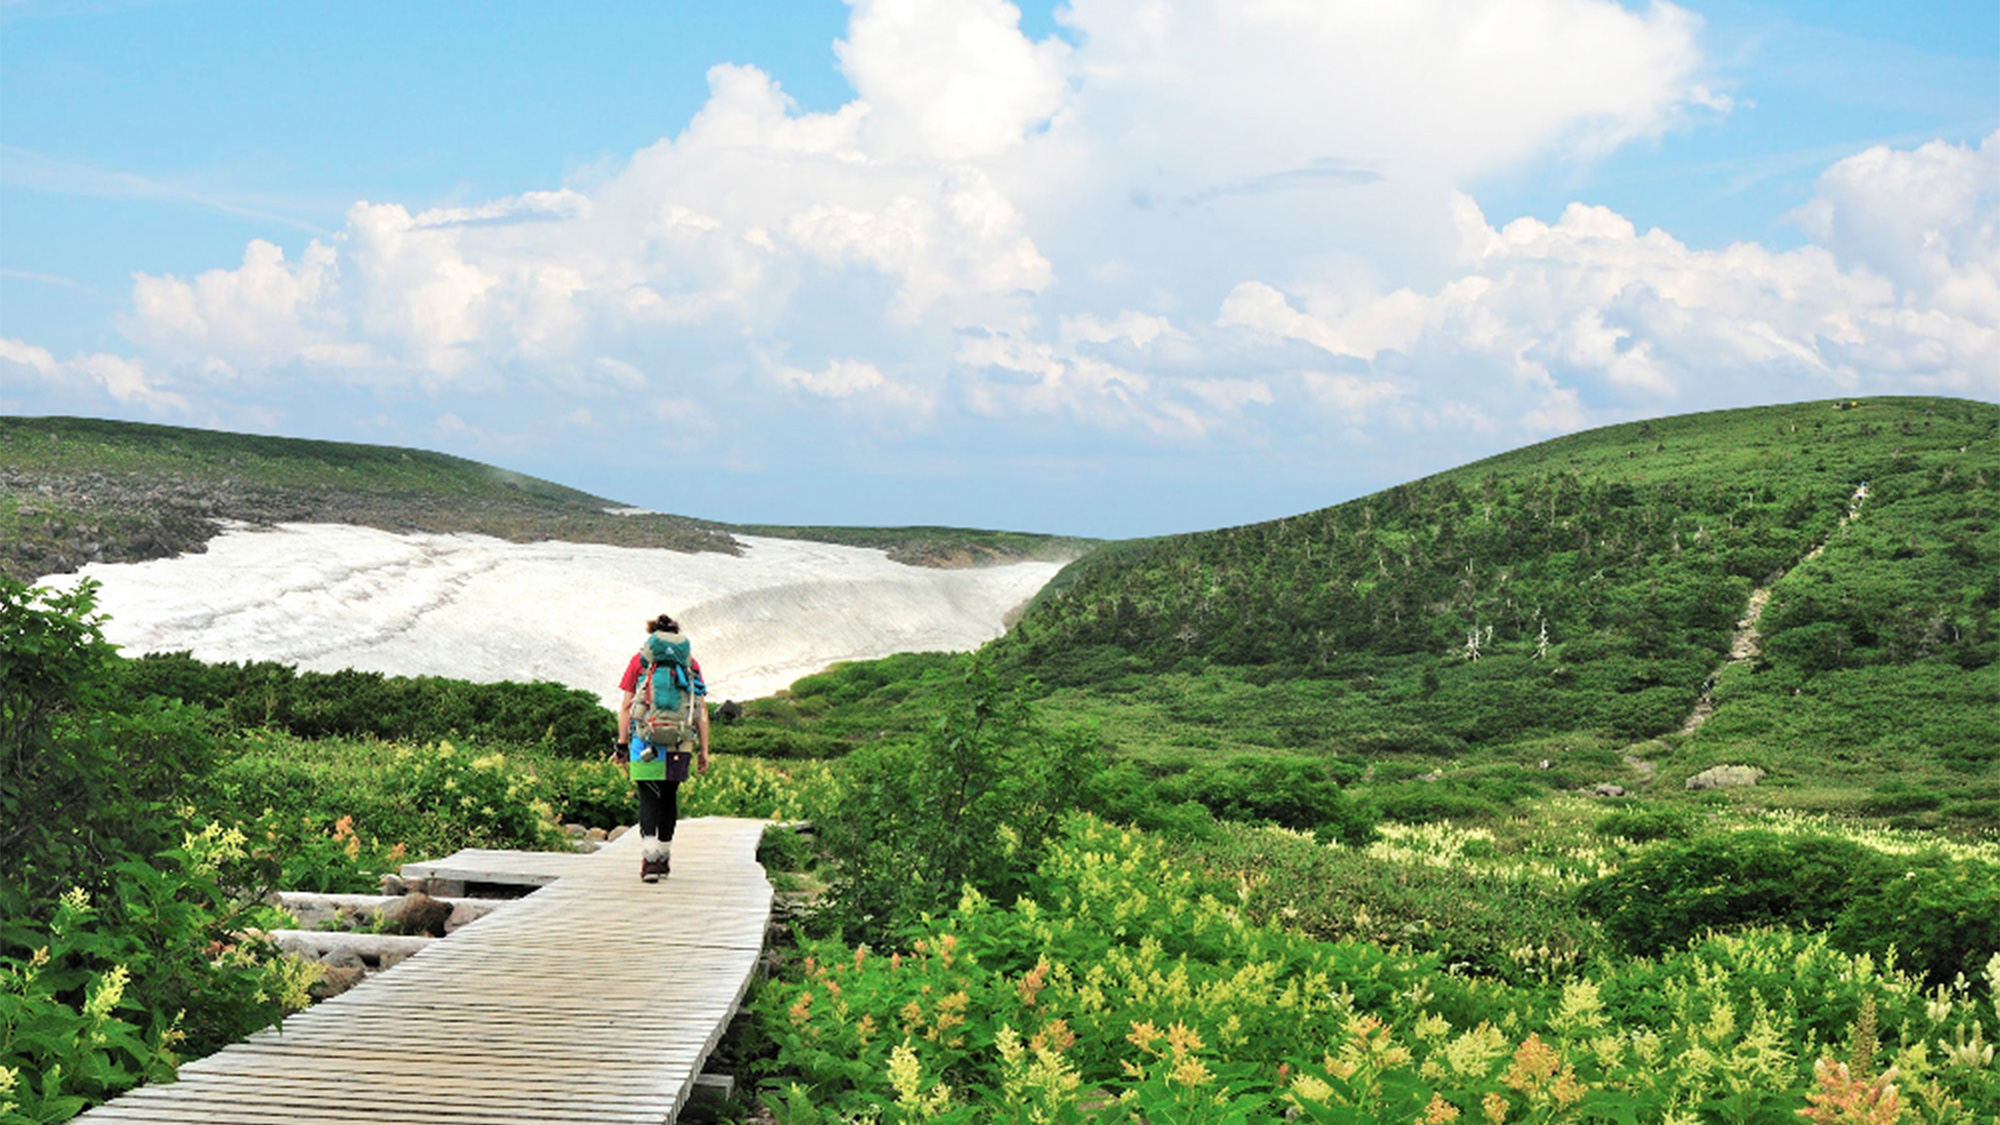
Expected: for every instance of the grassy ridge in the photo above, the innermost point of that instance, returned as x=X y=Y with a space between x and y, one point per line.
x=937 y=546
x=83 y=446
x=79 y=490
x=1602 y=575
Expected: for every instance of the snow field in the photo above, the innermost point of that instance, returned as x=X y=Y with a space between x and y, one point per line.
x=330 y=596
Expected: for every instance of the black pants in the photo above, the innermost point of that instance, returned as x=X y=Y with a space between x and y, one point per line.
x=659 y=807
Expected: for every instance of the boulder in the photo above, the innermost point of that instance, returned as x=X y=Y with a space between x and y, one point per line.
x=343 y=957
x=336 y=979
x=359 y=912
x=380 y=950
x=1607 y=789
x=1726 y=777
x=394 y=956
x=415 y=914
x=730 y=711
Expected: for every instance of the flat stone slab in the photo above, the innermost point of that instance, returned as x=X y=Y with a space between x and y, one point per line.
x=503 y=868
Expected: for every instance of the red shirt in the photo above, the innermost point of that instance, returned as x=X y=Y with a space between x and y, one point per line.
x=630 y=681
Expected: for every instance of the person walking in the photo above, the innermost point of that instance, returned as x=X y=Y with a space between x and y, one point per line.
x=662 y=723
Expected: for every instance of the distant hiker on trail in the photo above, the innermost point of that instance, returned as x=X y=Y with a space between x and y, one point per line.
x=663 y=719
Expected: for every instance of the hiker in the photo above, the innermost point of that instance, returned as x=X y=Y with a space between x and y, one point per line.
x=663 y=717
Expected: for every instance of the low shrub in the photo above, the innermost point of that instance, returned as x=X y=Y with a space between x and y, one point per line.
x=88 y=775
x=1288 y=792
x=1679 y=890
x=353 y=704
x=590 y=792
x=749 y=787
x=783 y=849
x=1405 y=740
x=1128 y=984
x=755 y=738
x=1482 y=917
x=432 y=800
x=115 y=988
x=1424 y=802
x=1642 y=825
x=1901 y=802
x=971 y=804
x=1940 y=916
x=309 y=853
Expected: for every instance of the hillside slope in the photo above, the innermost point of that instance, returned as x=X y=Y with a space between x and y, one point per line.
x=1552 y=616
x=80 y=490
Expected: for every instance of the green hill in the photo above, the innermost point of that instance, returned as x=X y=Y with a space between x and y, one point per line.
x=80 y=490
x=1549 y=618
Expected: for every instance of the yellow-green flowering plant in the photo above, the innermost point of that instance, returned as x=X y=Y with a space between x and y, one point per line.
x=1126 y=987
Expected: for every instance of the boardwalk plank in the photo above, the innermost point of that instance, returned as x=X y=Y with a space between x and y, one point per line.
x=595 y=998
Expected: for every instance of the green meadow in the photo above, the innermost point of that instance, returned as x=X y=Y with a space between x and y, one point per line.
x=1378 y=813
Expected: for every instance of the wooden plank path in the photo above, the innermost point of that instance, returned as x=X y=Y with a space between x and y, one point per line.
x=597 y=998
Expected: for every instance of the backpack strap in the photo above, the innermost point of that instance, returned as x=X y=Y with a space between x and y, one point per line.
x=646 y=677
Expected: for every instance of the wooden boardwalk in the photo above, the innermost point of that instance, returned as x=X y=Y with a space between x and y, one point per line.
x=597 y=998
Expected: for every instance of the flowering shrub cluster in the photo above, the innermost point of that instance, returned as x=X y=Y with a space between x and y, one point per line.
x=1127 y=987
x=116 y=988
x=733 y=786
x=453 y=798
x=305 y=853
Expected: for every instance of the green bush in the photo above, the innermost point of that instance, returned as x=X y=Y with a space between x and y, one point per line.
x=1125 y=793
x=1941 y=916
x=783 y=849
x=88 y=776
x=590 y=792
x=760 y=739
x=1291 y=793
x=1679 y=890
x=1465 y=914
x=1406 y=740
x=768 y=791
x=1424 y=802
x=1819 y=647
x=1643 y=825
x=432 y=800
x=972 y=804
x=113 y=989
x=1897 y=800
x=115 y=945
x=352 y=704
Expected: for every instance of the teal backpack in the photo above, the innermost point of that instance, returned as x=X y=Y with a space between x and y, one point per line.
x=663 y=699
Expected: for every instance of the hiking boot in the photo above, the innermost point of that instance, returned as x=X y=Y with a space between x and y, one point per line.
x=651 y=869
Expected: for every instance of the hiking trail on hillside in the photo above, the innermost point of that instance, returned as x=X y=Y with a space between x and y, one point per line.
x=1747 y=642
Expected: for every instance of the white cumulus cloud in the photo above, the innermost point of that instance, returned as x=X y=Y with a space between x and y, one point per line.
x=1228 y=225
x=1560 y=324
x=124 y=380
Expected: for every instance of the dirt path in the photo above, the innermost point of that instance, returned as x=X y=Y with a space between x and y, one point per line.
x=1747 y=642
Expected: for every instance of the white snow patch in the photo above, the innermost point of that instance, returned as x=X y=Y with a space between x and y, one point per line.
x=332 y=596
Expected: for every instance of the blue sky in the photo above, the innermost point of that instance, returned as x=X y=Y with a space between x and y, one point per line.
x=1109 y=267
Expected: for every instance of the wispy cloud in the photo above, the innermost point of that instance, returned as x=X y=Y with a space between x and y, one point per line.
x=1742 y=173
x=41 y=278
x=30 y=170
x=1314 y=175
